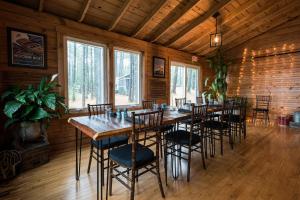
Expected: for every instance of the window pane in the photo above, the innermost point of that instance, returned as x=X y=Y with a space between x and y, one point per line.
x=177 y=83
x=85 y=74
x=127 y=78
x=191 y=84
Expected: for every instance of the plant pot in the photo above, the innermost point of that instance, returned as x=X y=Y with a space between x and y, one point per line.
x=29 y=132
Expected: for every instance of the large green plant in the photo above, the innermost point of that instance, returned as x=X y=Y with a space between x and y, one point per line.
x=218 y=86
x=33 y=103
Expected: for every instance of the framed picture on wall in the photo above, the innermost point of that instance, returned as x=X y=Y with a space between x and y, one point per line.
x=159 y=67
x=26 y=49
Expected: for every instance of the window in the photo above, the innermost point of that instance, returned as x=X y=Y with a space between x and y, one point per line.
x=127 y=77
x=184 y=82
x=86 y=80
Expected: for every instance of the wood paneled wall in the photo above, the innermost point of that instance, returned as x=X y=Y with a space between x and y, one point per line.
x=60 y=134
x=269 y=65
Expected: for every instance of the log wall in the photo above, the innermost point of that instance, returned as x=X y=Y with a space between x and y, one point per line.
x=269 y=65
x=61 y=135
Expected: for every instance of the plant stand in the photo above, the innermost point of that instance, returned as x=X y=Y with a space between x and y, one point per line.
x=34 y=155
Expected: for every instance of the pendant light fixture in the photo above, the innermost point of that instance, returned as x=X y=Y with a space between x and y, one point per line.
x=216 y=38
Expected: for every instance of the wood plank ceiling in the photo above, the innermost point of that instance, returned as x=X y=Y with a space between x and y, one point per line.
x=179 y=24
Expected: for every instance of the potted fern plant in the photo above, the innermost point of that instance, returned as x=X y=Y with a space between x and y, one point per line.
x=29 y=110
x=218 y=86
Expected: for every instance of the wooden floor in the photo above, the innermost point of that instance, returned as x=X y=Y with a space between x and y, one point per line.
x=265 y=166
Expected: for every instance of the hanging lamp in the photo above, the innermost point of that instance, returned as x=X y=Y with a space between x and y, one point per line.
x=216 y=38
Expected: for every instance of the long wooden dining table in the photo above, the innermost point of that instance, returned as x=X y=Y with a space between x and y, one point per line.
x=98 y=127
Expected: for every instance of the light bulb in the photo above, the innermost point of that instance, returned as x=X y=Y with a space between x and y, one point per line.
x=216 y=39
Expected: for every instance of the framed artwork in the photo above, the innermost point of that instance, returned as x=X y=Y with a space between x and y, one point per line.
x=159 y=67
x=26 y=49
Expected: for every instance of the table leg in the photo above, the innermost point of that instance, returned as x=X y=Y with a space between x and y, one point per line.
x=98 y=173
x=107 y=174
x=78 y=159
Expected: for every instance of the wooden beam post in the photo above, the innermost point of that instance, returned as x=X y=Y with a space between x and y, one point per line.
x=175 y=19
x=197 y=21
x=41 y=6
x=139 y=29
x=84 y=9
x=121 y=13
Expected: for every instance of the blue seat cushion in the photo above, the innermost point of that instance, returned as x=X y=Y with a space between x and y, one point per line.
x=111 y=142
x=122 y=155
x=166 y=128
x=189 y=121
x=216 y=125
x=234 y=118
x=260 y=109
x=182 y=137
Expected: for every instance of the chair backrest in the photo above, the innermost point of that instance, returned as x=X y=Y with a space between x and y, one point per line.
x=243 y=112
x=263 y=102
x=148 y=104
x=199 y=114
x=227 y=110
x=98 y=109
x=199 y=100
x=241 y=107
x=144 y=123
x=179 y=102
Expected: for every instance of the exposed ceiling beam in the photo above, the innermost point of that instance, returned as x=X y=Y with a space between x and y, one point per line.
x=239 y=10
x=121 y=13
x=257 y=23
x=175 y=19
x=198 y=21
x=84 y=9
x=255 y=36
x=149 y=17
x=41 y=6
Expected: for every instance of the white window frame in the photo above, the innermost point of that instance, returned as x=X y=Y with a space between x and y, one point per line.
x=140 y=77
x=185 y=66
x=105 y=70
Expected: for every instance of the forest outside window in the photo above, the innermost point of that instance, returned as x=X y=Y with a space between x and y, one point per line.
x=86 y=80
x=184 y=82
x=127 y=77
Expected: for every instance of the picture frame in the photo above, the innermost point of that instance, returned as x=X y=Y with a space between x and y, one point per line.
x=159 y=67
x=26 y=49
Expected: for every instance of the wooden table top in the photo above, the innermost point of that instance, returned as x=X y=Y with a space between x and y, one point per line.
x=101 y=126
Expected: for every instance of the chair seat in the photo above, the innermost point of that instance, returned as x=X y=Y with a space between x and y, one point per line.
x=122 y=155
x=214 y=115
x=216 y=125
x=167 y=128
x=234 y=118
x=261 y=109
x=189 y=121
x=114 y=142
x=182 y=137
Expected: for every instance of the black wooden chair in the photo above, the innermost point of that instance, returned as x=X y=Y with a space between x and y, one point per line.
x=262 y=108
x=221 y=127
x=179 y=102
x=148 y=104
x=133 y=160
x=238 y=118
x=104 y=144
x=200 y=100
x=181 y=143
